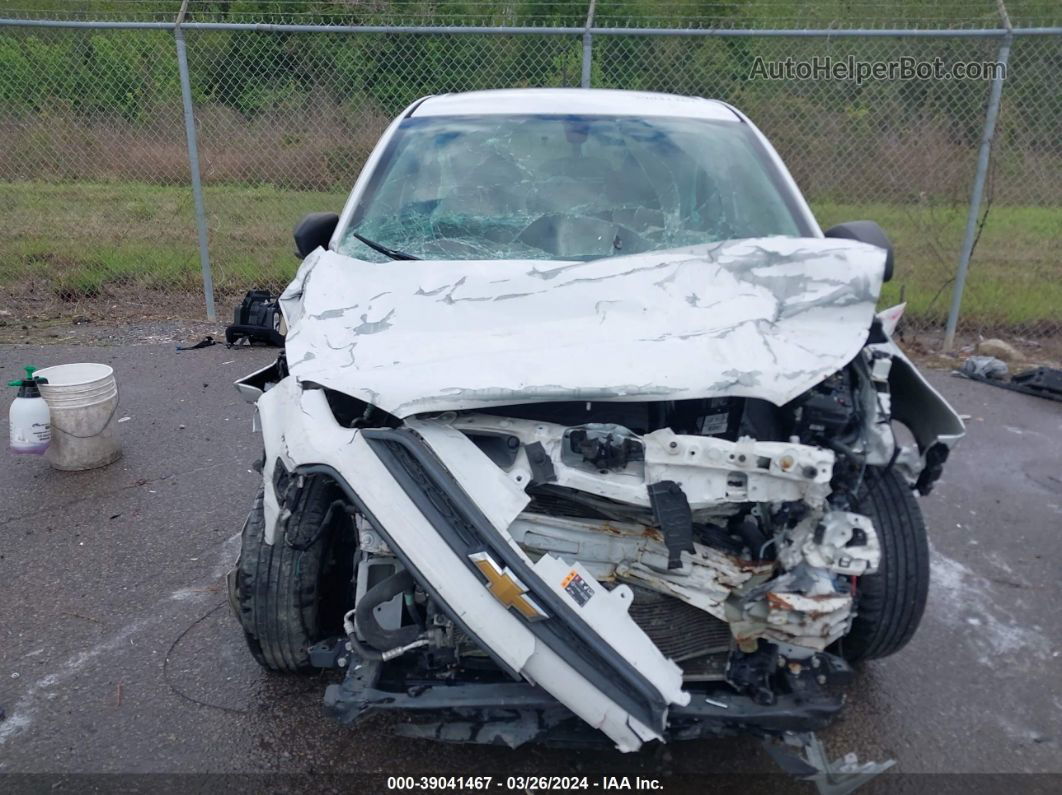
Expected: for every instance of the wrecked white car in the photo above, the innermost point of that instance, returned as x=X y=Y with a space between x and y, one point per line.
x=582 y=421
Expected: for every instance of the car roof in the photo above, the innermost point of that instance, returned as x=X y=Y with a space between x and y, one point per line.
x=582 y=101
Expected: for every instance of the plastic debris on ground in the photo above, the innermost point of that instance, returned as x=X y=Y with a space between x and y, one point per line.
x=1045 y=382
x=984 y=367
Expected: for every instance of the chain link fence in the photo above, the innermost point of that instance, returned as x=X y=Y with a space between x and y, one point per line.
x=289 y=98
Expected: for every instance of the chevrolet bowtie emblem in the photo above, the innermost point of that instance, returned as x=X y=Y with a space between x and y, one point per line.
x=506 y=588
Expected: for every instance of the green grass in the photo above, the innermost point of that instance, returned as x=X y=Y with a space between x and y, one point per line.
x=84 y=241
x=76 y=240
x=1015 y=276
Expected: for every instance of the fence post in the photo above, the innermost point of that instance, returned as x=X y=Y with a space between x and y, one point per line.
x=587 y=45
x=193 y=163
x=991 y=116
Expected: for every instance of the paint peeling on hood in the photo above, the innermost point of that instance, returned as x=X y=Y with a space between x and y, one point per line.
x=766 y=318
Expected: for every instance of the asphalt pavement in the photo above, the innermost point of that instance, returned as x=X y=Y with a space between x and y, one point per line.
x=118 y=654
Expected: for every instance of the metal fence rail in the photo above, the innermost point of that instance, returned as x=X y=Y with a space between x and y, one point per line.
x=157 y=163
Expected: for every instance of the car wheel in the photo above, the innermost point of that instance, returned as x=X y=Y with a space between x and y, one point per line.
x=290 y=594
x=890 y=602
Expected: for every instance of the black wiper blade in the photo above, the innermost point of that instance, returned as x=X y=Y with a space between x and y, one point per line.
x=393 y=253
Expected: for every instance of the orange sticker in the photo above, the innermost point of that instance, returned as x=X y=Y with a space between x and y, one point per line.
x=567 y=580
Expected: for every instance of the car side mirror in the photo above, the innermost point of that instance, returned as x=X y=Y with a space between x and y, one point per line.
x=314 y=230
x=865 y=232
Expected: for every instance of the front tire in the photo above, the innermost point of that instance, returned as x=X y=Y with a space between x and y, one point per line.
x=890 y=602
x=292 y=593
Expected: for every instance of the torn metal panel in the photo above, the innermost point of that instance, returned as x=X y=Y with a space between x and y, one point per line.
x=501 y=498
x=757 y=599
x=837 y=777
x=800 y=607
x=309 y=435
x=914 y=402
x=763 y=318
x=713 y=472
x=636 y=553
x=303 y=431
x=839 y=542
x=716 y=474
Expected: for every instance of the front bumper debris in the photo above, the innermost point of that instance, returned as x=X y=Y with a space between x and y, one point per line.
x=459 y=523
x=515 y=713
x=837 y=777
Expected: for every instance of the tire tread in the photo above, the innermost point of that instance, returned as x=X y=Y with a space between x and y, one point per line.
x=892 y=601
x=276 y=585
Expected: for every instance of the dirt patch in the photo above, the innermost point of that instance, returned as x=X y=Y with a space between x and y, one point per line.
x=925 y=349
x=99 y=326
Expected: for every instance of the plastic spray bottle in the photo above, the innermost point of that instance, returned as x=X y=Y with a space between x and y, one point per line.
x=28 y=417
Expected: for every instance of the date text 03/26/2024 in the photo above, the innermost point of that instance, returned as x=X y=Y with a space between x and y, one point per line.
x=523 y=783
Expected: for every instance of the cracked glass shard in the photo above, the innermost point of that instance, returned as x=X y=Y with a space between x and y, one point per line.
x=565 y=187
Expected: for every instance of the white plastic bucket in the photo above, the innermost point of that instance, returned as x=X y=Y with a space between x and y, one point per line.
x=83 y=401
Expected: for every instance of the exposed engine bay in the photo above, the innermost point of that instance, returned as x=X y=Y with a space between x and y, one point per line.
x=676 y=524
x=690 y=567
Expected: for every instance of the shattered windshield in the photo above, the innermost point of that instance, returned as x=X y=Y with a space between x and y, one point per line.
x=566 y=187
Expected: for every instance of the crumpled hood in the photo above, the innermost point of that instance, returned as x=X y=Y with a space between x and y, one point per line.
x=766 y=318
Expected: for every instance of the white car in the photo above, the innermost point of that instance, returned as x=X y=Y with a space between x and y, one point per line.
x=582 y=421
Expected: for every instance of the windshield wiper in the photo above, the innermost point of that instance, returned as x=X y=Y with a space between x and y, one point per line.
x=393 y=253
